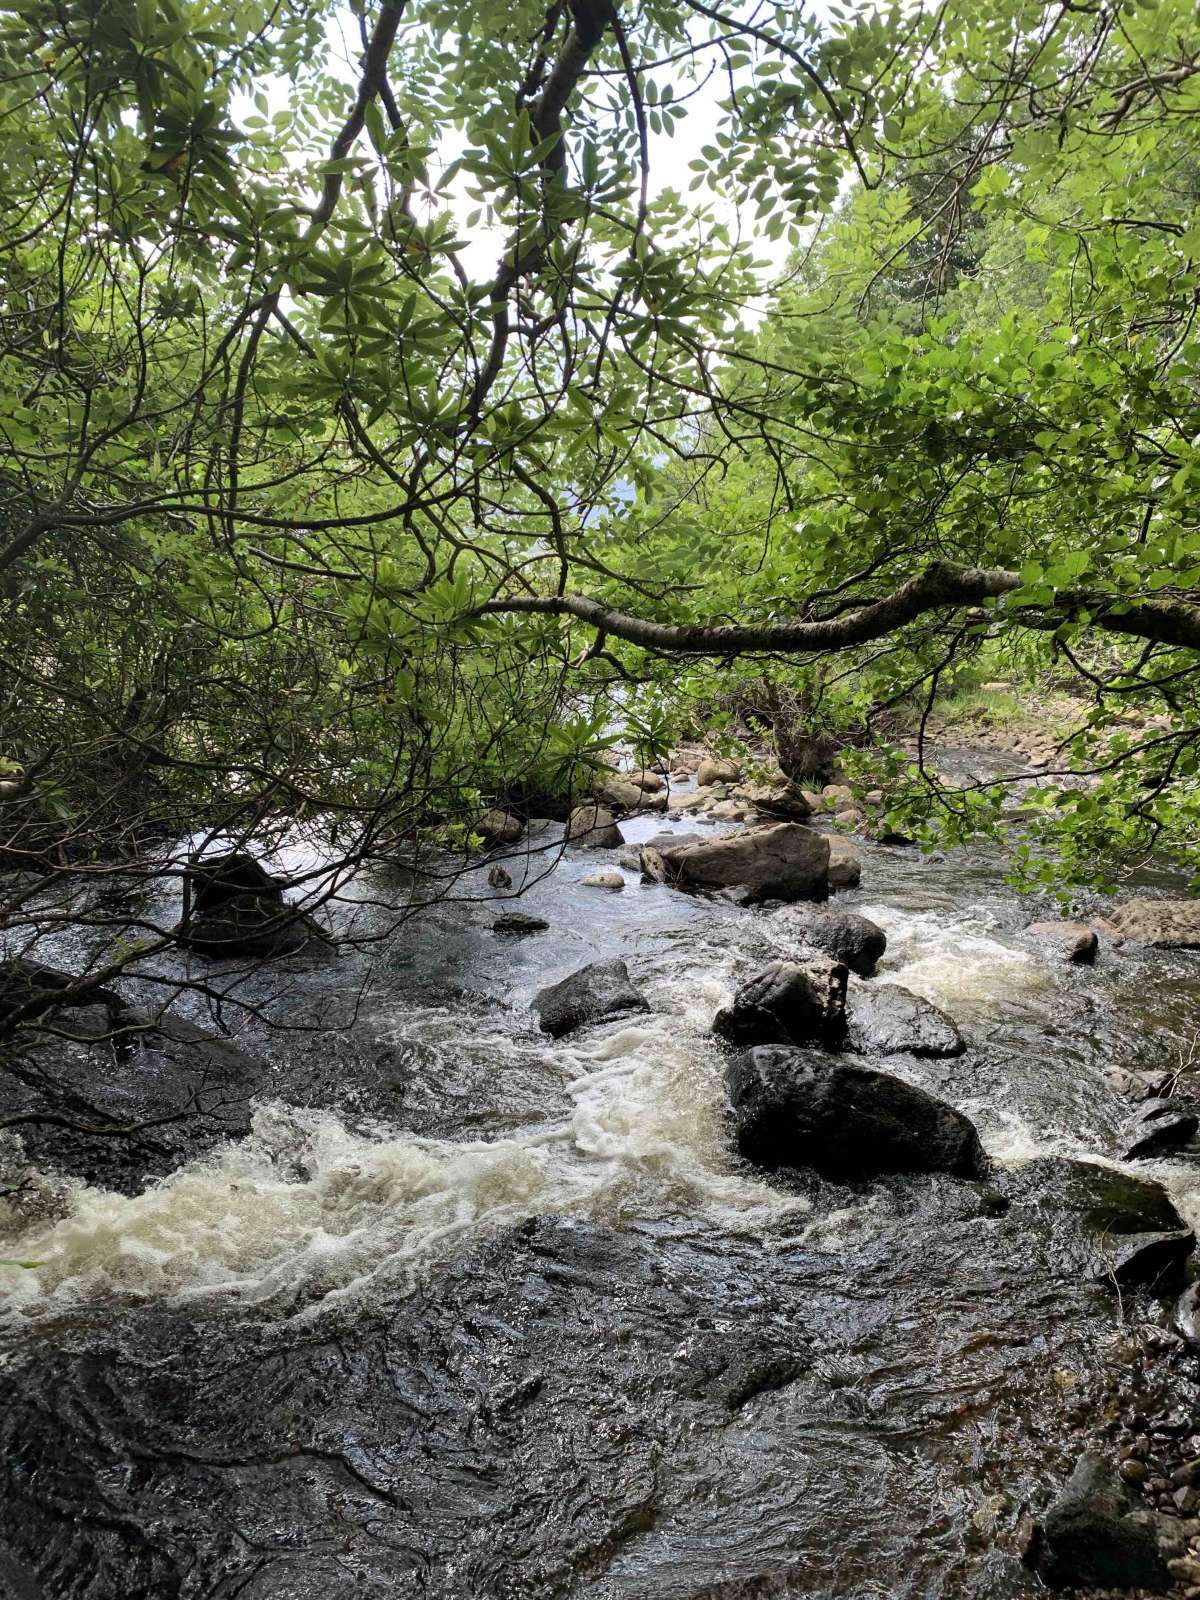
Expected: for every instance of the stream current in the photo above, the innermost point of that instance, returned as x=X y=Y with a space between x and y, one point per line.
x=466 y=1312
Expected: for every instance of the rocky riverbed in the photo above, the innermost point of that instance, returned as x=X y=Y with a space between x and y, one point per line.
x=419 y=1299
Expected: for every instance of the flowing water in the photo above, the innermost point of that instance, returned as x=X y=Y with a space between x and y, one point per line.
x=465 y=1312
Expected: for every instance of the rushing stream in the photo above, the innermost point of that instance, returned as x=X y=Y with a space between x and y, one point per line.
x=467 y=1312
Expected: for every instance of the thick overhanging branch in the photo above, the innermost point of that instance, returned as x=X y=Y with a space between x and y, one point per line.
x=941 y=586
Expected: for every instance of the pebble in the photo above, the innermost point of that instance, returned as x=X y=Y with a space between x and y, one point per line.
x=1133 y=1471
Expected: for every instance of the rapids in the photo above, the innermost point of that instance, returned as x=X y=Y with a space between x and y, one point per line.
x=468 y=1312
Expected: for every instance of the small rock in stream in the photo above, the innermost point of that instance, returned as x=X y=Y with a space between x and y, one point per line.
x=603 y=880
x=844 y=935
x=593 y=827
x=595 y=993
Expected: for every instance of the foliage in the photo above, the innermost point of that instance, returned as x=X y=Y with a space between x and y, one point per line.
x=282 y=468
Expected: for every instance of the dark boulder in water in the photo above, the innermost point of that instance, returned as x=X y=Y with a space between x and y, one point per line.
x=1146 y=1260
x=887 y=1020
x=844 y=935
x=1159 y=1127
x=234 y=907
x=801 y=1108
x=519 y=923
x=595 y=993
x=787 y=1003
x=1098 y=1534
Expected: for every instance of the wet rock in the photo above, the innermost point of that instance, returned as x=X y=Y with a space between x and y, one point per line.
x=1075 y=940
x=1159 y=1127
x=592 y=826
x=1166 y=924
x=1106 y=1201
x=886 y=1019
x=1146 y=1260
x=800 y=1108
x=234 y=907
x=169 y=1090
x=788 y=1004
x=499 y=877
x=716 y=769
x=1185 y=1318
x=595 y=993
x=845 y=864
x=1097 y=1533
x=783 y=862
x=844 y=935
x=603 y=880
x=782 y=801
x=518 y=923
x=498 y=827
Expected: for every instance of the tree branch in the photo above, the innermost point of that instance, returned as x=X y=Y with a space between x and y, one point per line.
x=942 y=585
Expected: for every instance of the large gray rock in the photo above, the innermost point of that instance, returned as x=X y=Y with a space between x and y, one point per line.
x=783 y=862
x=592 y=825
x=802 y=1108
x=1169 y=924
x=234 y=907
x=885 y=1019
x=844 y=935
x=788 y=1004
x=1097 y=1534
x=593 y=994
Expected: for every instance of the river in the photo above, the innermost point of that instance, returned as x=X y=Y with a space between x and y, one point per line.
x=472 y=1313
